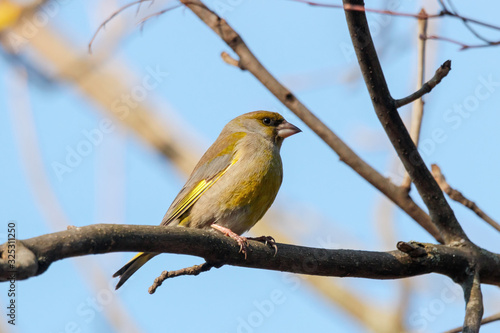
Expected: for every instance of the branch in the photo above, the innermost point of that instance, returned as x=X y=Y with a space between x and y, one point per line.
x=112 y=16
x=249 y=62
x=422 y=16
x=35 y=255
x=474 y=304
x=466 y=23
x=459 y=197
x=462 y=45
x=230 y=60
x=417 y=112
x=193 y=270
x=487 y=320
x=362 y=8
x=440 y=212
x=427 y=87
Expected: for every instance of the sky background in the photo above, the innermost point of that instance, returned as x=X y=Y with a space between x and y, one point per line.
x=123 y=180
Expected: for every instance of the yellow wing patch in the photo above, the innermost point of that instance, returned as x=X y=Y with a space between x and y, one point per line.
x=195 y=194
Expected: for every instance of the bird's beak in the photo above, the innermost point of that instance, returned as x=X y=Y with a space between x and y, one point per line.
x=285 y=129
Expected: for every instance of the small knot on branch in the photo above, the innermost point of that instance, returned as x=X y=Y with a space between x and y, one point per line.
x=422 y=15
x=413 y=249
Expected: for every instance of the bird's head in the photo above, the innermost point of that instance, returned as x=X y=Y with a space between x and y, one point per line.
x=271 y=125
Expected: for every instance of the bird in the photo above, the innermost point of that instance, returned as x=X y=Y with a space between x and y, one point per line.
x=233 y=185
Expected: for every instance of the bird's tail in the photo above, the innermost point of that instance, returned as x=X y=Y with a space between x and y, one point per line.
x=132 y=266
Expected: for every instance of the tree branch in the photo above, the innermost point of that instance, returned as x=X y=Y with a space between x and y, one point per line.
x=487 y=320
x=417 y=112
x=459 y=197
x=440 y=212
x=35 y=255
x=427 y=87
x=474 y=304
x=249 y=62
x=444 y=12
x=193 y=270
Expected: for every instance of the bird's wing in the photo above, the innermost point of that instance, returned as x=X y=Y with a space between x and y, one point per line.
x=211 y=167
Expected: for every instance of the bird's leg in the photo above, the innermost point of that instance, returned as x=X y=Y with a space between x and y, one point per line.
x=242 y=241
x=267 y=240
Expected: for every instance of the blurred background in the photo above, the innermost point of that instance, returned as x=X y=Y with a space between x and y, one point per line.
x=110 y=137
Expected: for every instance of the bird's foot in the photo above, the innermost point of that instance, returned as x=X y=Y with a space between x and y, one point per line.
x=242 y=241
x=267 y=240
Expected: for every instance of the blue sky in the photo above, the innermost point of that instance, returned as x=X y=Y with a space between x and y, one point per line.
x=122 y=180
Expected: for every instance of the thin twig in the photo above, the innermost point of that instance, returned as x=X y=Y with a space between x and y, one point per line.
x=441 y=73
x=106 y=21
x=252 y=64
x=444 y=12
x=139 y=6
x=463 y=46
x=459 y=197
x=487 y=320
x=474 y=304
x=230 y=60
x=161 y=12
x=467 y=24
x=193 y=270
x=362 y=8
x=418 y=107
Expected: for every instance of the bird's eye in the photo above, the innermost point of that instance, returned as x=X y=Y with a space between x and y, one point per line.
x=266 y=121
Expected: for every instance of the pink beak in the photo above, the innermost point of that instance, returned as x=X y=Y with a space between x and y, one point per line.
x=285 y=129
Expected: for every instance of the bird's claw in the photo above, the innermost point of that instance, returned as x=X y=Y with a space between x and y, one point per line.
x=242 y=241
x=267 y=240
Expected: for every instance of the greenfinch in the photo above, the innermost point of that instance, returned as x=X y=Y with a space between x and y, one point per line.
x=234 y=183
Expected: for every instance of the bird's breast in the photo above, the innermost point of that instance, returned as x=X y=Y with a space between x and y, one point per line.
x=245 y=192
x=254 y=181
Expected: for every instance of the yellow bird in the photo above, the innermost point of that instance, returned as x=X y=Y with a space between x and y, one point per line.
x=233 y=184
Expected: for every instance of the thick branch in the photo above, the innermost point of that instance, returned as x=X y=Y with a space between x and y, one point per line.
x=474 y=304
x=441 y=213
x=459 y=197
x=249 y=62
x=38 y=253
